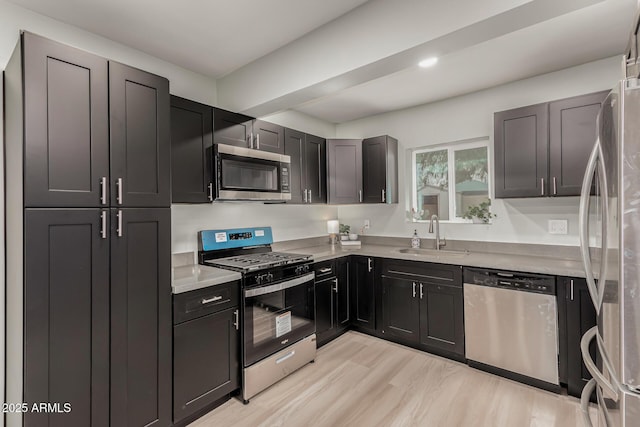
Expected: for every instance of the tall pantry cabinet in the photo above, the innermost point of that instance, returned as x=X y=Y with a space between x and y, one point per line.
x=88 y=238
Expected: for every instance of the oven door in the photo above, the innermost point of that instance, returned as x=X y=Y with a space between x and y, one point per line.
x=276 y=316
x=246 y=174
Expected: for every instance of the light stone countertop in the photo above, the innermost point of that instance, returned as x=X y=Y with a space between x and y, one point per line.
x=514 y=262
x=191 y=277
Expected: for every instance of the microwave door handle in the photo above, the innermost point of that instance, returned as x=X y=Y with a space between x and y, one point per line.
x=583 y=223
x=587 y=391
x=257 y=141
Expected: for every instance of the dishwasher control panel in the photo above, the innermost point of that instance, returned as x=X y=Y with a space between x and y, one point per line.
x=530 y=282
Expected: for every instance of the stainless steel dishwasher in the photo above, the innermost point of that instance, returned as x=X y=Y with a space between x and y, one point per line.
x=511 y=325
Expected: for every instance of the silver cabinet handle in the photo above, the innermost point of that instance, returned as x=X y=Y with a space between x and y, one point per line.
x=384 y=199
x=414 y=289
x=310 y=199
x=305 y=195
x=542 y=186
x=369 y=265
x=119 y=228
x=214 y=299
x=119 y=184
x=210 y=195
x=257 y=140
x=360 y=195
x=555 y=186
x=335 y=287
x=103 y=224
x=584 y=402
x=236 y=322
x=590 y=364
x=103 y=190
x=324 y=270
x=571 y=289
x=421 y=290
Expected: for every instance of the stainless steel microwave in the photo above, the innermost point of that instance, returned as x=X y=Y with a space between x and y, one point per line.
x=247 y=174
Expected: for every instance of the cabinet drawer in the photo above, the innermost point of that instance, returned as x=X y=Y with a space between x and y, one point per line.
x=201 y=302
x=441 y=274
x=325 y=269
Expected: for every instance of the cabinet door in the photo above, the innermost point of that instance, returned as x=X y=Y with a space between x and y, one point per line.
x=140 y=139
x=191 y=151
x=374 y=169
x=581 y=316
x=362 y=292
x=342 y=293
x=66 y=125
x=269 y=137
x=344 y=170
x=521 y=147
x=141 y=317
x=315 y=168
x=400 y=309
x=66 y=316
x=232 y=128
x=293 y=147
x=572 y=133
x=325 y=310
x=205 y=361
x=441 y=317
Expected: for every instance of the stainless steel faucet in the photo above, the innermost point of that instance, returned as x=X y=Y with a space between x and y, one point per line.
x=439 y=242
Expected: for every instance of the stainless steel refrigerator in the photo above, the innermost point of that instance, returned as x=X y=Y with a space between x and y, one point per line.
x=610 y=224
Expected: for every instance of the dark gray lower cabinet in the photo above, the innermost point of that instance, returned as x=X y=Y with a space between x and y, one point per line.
x=205 y=360
x=580 y=316
x=422 y=306
x=362 y=284
x=141 y=317
x=332 y=299
x=66 y=319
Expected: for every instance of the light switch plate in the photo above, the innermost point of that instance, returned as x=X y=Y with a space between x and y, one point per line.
x=558 y=226
x=367 y=224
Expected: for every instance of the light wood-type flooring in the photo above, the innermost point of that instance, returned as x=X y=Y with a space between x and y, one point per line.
x=358 y=380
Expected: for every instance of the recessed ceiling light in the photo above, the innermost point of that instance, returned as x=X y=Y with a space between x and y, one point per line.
x=429 y=62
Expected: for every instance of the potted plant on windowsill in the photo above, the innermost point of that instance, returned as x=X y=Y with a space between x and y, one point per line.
x=479 y=214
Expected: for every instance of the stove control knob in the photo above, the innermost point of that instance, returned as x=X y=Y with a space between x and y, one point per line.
x=258 y=280
x=306 y=268
x=269 y=277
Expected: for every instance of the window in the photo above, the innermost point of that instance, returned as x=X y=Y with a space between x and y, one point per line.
x=466 y=164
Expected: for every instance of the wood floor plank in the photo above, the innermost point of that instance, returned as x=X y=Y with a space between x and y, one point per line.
x=358 y=380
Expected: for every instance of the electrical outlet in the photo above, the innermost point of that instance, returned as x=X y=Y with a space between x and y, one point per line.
x=367 y=224
x=558 y=226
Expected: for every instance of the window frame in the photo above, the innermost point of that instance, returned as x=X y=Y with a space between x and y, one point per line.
x=451 y=148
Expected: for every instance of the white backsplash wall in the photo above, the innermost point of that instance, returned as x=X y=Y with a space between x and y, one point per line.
x=287 y=221
x=471 y=116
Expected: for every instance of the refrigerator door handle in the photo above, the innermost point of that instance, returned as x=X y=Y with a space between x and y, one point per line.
x=583 y=220
x=587 y=391
x=590 y=364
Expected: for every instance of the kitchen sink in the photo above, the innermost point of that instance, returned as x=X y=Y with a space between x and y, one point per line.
x=433 y=252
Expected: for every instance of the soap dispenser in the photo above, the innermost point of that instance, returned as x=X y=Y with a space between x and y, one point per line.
x=415 y=240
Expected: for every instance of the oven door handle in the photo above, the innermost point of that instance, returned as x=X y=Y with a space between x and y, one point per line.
x=253 y=292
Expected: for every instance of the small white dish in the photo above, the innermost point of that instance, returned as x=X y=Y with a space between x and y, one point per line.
x=344 y=237
x=353 y=236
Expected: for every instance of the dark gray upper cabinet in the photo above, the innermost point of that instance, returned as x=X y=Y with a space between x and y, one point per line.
x=66 y=322
x=141 y=317
x=232 y=128
x=520 y=146
x=191 y=151
x=66 y=125
x=344 y=171
x=268 y=137
x=140 y=140
x=542 y=150
x=572 y=133
x=380 y=169
x=308 y=166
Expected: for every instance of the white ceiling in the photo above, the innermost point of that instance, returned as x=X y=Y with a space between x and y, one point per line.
x=212 y=37
x=340 y=60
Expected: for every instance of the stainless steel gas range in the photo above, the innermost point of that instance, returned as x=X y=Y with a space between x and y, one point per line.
x=278 y=303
